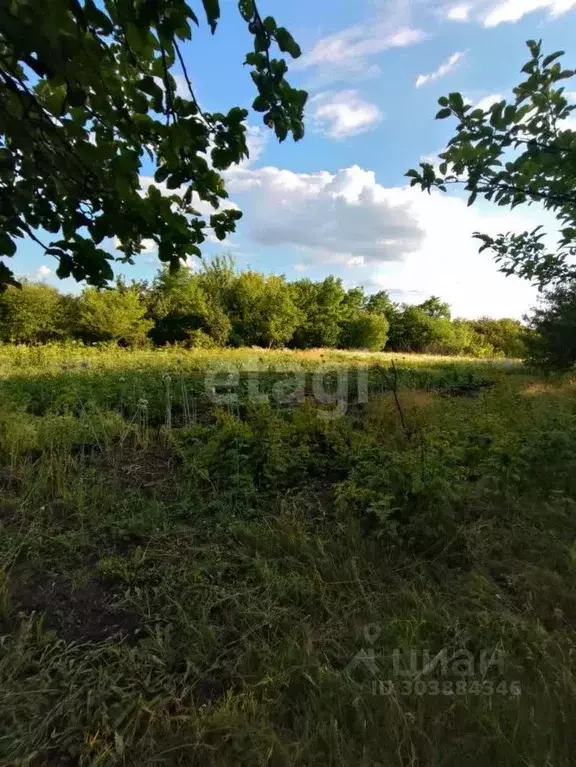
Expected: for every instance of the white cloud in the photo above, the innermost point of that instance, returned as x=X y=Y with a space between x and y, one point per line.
x=41 y=272
x=514 y=10
x=256 y=139
x=332 y=218
x=346 y=54
x=339 y=114
x=570 y=95
x=448 y=263
x=458 y=13
x=491 y=13
x=149 y=246
x=442 y=70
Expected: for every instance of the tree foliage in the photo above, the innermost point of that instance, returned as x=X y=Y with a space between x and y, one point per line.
x=34 y=314
x=506 y=335
x=415 y=329
x=552 y=344
x=261 y=310
x=516 y=152
x=112 y=315
x=87 y=90
x=322 y=305
x=219 y=306
x=367 y=330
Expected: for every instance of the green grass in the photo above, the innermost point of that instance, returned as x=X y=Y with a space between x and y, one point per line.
x=183 y=583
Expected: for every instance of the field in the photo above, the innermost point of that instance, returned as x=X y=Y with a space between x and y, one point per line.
x=252 y=557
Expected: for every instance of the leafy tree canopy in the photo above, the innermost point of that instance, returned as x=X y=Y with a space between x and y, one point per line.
x=367 y=330
x=34 y=314
x=435 y=307
x=87 y=89
x=522 y=151
x=112 y=315
x=552 y=344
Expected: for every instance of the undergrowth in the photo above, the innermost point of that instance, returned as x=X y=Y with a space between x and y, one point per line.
x=183 y=582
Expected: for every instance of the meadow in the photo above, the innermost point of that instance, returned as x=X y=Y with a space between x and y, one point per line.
x=249 y=557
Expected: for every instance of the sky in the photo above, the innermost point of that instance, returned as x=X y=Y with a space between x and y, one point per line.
x=337 y=202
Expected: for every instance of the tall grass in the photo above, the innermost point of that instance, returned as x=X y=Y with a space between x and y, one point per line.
x=187 y=583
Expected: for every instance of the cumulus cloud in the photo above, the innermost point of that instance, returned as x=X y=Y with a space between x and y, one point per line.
x=331 y=218
x=256 y=139
x=385 y=237
x=347 y=54
x=448 y=263
x=339 y=114
x=444 y=69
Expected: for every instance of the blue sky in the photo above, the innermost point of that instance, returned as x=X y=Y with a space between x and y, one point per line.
x=337 y=202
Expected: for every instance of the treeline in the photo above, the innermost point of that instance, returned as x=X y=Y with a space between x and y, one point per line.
x=219 y=306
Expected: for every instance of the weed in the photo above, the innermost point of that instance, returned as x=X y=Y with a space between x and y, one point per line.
x=187 y=582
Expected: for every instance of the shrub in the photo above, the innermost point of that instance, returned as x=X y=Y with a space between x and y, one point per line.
x=34 y=313
x=112 y=315
x=366 y=331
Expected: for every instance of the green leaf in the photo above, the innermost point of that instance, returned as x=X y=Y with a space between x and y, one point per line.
x=7 y=245
x=97 y=18
x=76 y=97
x=260 y=104
x=456 y=100
x=444 y=113
x=7 y=278
x=287 y=44
x=247 y=9
x=212 y=11
x=552 y=57
x=256 y=60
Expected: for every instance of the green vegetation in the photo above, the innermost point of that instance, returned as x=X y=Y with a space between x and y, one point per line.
x=185 y=581
x=88 y=91
x=552 y=341
x=517 y=153
x=233 y=530
x=218 y=306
